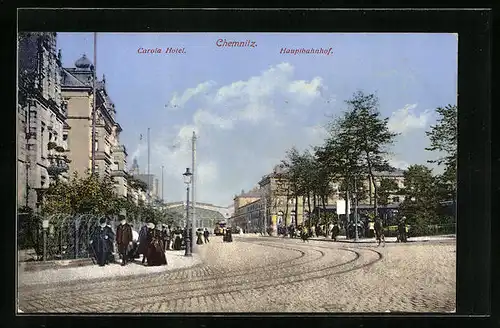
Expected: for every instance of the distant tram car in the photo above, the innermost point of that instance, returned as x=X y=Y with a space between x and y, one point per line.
x=220 y=228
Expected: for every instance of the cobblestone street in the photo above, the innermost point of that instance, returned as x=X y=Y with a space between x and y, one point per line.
x=263 y=274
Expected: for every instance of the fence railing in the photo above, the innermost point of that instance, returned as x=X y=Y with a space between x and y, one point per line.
x=429 y=230
x=66 y=237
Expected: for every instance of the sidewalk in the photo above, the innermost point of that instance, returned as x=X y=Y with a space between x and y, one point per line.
x=342 y=239
x=175 y=260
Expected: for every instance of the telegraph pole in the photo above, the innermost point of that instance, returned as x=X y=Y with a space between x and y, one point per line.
x=265 y=213
x=94 y=107
x=193 y=188
x=162 y=200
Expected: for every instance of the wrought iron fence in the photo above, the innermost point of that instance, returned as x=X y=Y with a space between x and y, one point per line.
x=67 y=236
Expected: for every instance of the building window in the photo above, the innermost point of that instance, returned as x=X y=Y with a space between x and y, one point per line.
x=395 y=199
x=42 y=154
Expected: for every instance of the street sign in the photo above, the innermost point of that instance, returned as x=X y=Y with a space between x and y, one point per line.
x=341 y=207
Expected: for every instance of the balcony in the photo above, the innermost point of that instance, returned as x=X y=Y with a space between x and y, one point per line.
x=118 y=148
x=102 y=155
x=57 y=169
x=118 y=173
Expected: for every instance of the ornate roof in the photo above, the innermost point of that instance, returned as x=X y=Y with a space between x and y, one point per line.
x=201 y=213
x=84 y=63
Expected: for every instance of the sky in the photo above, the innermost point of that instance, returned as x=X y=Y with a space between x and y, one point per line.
x=249 y=105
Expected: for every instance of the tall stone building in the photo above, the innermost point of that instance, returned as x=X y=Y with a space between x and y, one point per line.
x=41 y=127
x=110 y=155
x=274 y=204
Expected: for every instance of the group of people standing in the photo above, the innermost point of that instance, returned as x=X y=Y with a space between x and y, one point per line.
x=151 y=242
x=103 y=238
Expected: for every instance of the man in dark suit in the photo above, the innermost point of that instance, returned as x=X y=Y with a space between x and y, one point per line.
x=124 y=238
x=100 y=242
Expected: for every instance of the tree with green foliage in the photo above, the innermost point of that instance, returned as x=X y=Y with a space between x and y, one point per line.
x=443 y=139
x=420 y=205
x=372 y=135
x=386 y=188
x=82 y=195
x=341 y=155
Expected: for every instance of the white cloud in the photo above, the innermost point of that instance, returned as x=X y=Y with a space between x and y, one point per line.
x=207 y=173
x=307 y=91
x=178 y=101
x=204 y=117
x=243 y=129
x=405 y=119
x=316 y=133
x=399 y=164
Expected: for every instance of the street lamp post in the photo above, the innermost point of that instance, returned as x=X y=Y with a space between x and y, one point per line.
x=187 y=180
x=45 y=226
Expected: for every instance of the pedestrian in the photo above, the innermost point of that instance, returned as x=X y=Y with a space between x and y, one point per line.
x=379 y=232
x=177 y=239
x=371 y=229
x=133 y=252
x=402 y=230
x=143 y=241
x=304 y=234
x=124 y=238
x=229 y=235
x=335 y=231
x=100 y=242
x=167 y=233
x=156 y=249
x=111 y=243
x=199 y=240
x=206 y=235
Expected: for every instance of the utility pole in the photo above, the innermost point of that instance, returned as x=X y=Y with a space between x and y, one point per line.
x=356 y=208
x=193 y=188
x=149 y=176
x=95 y=102
x=265 y=214
x=162 y=200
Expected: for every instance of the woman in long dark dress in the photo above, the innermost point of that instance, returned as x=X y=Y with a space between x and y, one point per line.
x=143 y=241
x=156 y=248
x=229 y=236
x=177 y=239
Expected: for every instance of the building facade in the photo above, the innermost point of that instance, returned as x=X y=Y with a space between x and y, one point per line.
x=206 y=214
x=110 y=155
x=272 y=204
x=41 y=124
x=282 y=208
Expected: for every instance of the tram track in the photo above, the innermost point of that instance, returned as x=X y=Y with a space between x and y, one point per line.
x=280 y=278
x=170 y=277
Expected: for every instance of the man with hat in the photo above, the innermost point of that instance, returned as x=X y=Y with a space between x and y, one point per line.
x=123 y=237
x=110 y=257
x=100 y=242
